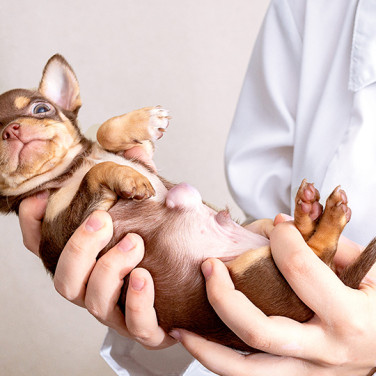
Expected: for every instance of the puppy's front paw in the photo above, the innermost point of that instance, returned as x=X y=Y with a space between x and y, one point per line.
x=135 y=186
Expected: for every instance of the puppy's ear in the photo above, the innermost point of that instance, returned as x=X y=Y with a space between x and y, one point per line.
x=60 y=85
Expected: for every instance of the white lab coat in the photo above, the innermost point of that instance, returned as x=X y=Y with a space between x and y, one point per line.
x=307 y=110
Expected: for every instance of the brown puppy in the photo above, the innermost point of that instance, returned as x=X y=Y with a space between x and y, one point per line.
x=41 y=147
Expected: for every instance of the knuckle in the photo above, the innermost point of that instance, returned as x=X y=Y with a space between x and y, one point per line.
x=62 y=288
x=28 y=244
x=33 y=245
x=134 y=308
x=142 y=335
x=106 y=264
x=196 y=352
x=95 y=310
x=257 y=341
x=74 y=246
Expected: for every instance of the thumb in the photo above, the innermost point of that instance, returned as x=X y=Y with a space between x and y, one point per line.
x=281 y=217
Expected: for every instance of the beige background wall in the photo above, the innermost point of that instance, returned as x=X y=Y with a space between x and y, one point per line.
x=189 y=56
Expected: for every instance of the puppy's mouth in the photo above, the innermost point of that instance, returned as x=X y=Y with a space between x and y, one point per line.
x=31 y=147
x=21 y=150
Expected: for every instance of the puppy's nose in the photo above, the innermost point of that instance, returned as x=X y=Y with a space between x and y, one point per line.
x=11 y=132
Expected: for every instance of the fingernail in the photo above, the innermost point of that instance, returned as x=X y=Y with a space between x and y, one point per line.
x=286 y=217
x=126 y=244
x=176 y=335
x=207 y=269
x=281 y=217
x=137 y=283
x=93 y=223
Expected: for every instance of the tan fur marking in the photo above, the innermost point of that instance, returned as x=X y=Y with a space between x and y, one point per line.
x=243 y=262
x=60 y=200
x=125 y=131
x=21 y=102
x=123 y=180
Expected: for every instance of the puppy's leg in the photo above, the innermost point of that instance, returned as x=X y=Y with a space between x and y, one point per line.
x=307 y=209
x=137 y=128
x=100 y=189
x=113 y=181
x=331 y=224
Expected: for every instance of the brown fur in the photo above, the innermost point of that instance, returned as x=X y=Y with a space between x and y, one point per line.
x=88 y=177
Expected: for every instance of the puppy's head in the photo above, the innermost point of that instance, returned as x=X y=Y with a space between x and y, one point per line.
x=38 y=130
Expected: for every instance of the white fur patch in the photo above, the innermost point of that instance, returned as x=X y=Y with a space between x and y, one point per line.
x=158 y=123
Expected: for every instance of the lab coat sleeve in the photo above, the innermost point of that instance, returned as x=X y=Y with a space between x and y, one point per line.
x=128 y=358
x=259 y=149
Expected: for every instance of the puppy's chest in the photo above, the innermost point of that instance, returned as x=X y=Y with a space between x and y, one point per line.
x=62 y=198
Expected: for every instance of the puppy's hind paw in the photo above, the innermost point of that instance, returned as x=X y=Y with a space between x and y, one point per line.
x=307 y=201
x=337 y=205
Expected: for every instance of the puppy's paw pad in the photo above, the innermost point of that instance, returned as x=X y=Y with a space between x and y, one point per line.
x=307 y=200
x=337 y=203
x=158 y=123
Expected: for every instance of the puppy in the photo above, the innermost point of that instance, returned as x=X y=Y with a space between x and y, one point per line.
x=42 y=148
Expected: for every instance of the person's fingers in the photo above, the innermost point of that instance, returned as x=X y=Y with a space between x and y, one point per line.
x=276 y=335
x=311 y=279
x=106 y=280
x=262 y=227
x=347 y=250
x=227 y=362
x=141 y=318
x=139 y=152
x=31 y=213
x=78 y=258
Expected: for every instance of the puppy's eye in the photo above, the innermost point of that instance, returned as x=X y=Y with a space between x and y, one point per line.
x=41 y=108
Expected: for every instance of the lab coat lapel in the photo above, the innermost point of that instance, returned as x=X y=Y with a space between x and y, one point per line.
x=363 y=53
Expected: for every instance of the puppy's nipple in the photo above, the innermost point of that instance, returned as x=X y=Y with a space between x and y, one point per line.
x=183 y=196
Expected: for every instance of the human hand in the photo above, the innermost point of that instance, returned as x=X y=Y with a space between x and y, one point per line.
x=96 y=285
x=338 y=340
